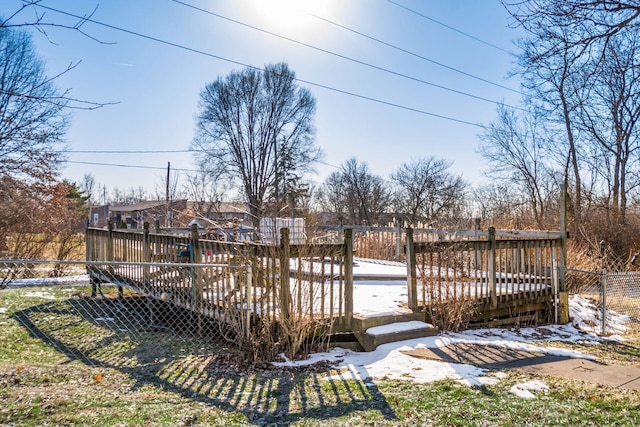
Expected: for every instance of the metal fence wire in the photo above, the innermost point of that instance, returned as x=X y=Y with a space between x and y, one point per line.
x=610 y=292
x=58 y=303
x=83 y=307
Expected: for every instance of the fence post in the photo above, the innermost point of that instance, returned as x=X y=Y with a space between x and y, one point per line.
x=477 y=257
x=554 y=283
x=399 y=239
x=285 y=292
x=89 y=240
x=197 y=278
x=157 y=226
x=348 y=277
x=412 y=285
x=111 y=256
x=491 y=257
x=146 y=253
x=563 y=295
x=603 y=282
x=247 y=292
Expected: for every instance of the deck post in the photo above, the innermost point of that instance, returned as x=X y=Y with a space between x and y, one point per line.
x=196 y=258
x=412 y=282
x=491 y=257
x=348 y=277
x=285 y=292
x=399 y=239
x=88 y=256
x=248 y=281
x=110 y=256
x=197 y=278
x=563 y=296
x=477 y=259
x=146 y=254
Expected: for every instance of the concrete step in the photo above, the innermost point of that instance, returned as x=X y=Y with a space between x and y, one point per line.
x=374 y=336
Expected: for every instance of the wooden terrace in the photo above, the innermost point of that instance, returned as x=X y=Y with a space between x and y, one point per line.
x=512 y=280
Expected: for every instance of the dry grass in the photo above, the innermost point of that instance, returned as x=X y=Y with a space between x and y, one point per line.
x=62 y=370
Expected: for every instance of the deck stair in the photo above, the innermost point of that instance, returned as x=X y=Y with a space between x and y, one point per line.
x=374 y=331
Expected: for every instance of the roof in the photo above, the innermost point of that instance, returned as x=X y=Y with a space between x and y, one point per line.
x=149 y=204
x=224 y=207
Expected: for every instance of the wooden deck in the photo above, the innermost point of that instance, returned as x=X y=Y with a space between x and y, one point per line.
x=512 y=281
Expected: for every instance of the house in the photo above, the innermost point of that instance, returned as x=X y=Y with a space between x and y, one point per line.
x=221 y=211
x=181 y=214
x=98 y=216
x=134 y=216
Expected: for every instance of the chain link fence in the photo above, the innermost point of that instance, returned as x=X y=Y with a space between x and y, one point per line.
x=610 y=292
x=101 y=323
x=255 y=308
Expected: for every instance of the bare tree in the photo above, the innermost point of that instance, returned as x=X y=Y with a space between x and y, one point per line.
x=427 y=190
x=515 y=149
x=89 y=186
x=40 y=216
x=610 y=119
x=580 y=63
x=170 y=191
x=332 y=198
x=501 y=204
x=356 y=195
x=556 y=87
x=31 y=14
x=32 y=117
x=598 y=20
x=205 y=191
x=248 y=122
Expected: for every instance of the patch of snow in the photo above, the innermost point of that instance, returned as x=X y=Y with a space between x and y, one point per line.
x=39 y=294
x=379 y=298
x=3 y=310
x=48 y=281
x=390 y=363
x=398 y=327
x=527 y=390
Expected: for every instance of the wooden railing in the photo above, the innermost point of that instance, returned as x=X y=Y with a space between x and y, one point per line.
x=315 y=281
x=388 y=243
x=483 y=269
x=272 y=281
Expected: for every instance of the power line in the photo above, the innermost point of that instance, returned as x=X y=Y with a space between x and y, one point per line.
x=200 y=52
x=132 y=151
x=449 y=27
x=424 y=58
x=347 y=58
x=130 y=166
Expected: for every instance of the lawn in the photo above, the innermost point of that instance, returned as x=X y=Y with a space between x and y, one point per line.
x=58 y=368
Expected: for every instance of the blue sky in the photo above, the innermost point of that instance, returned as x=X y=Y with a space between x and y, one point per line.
x=156 y=86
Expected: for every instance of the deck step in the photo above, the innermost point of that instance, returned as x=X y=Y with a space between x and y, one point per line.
x=372 y=337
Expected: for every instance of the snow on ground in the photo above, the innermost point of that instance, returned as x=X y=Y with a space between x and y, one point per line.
x=527 y=390
x=64 y=280
x=389 y=362
x=39 y=294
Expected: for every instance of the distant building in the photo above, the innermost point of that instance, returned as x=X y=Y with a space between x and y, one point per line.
x=215 y=220
x=221 y=211
x=134 y=216
x=98 y=216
